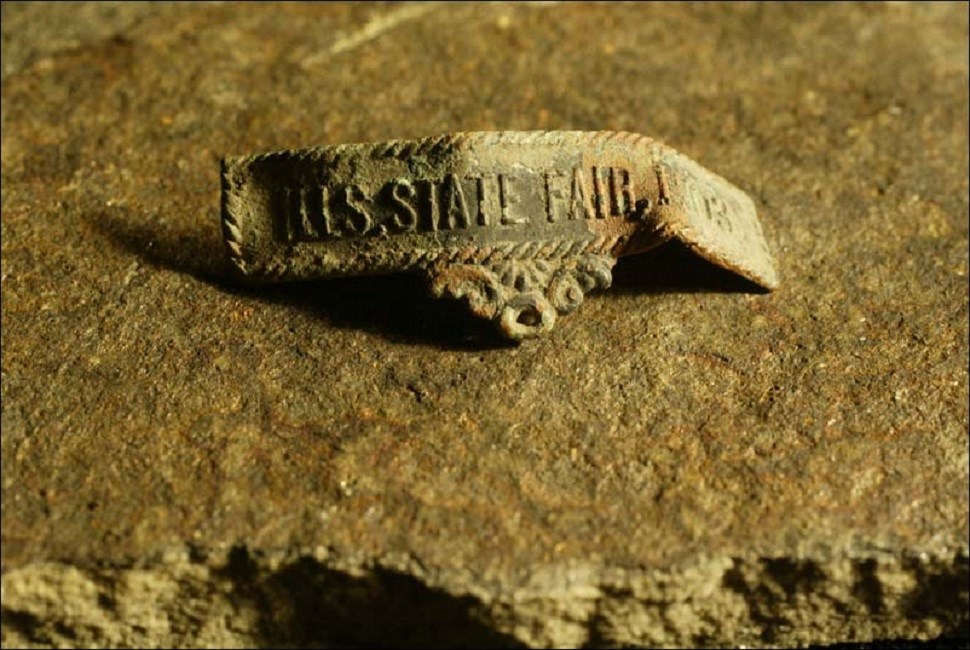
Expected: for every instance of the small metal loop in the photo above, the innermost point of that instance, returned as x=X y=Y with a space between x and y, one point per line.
x=527 y=315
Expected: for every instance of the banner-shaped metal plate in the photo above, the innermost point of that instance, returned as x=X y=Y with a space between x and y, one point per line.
x=519 y=224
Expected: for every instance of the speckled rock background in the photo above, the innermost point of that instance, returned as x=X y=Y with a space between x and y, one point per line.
x=684 y=461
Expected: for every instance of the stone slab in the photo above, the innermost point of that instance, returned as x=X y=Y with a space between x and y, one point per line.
x=690 y=462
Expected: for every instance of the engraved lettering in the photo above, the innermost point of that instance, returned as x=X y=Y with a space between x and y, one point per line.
x=507 y=198
x=284 y=225
x=580 y=206
x=358 y=220
x=624 y=196
x=717 y=211
x=615 y=209
x=403 y=195
x=327 y=214
x=433 y=206
x=484 y=216
x=598 y=199
x=557 y=197
x=300 y=207
x=456 y=208
x=313 y=212
x=305 y=214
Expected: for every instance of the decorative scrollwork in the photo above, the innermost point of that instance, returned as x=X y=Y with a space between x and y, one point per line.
x=523 y=297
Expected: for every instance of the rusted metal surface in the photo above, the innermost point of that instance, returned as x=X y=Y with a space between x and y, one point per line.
x=520 y=225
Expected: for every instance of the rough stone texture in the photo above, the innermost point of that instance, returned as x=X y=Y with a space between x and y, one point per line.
x=686 y=462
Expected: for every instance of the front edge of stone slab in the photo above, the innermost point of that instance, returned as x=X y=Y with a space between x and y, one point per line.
x=234 y=598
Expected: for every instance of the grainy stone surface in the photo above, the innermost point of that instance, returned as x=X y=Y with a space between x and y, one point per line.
x=688 y=463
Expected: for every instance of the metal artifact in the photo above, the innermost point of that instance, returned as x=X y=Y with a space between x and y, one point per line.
x=519 y=225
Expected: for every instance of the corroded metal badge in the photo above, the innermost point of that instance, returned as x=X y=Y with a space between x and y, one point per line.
x=520 y=225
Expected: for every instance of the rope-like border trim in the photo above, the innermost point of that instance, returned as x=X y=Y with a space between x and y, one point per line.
x=231 y=225
x=482 y=255
x=452 y=142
